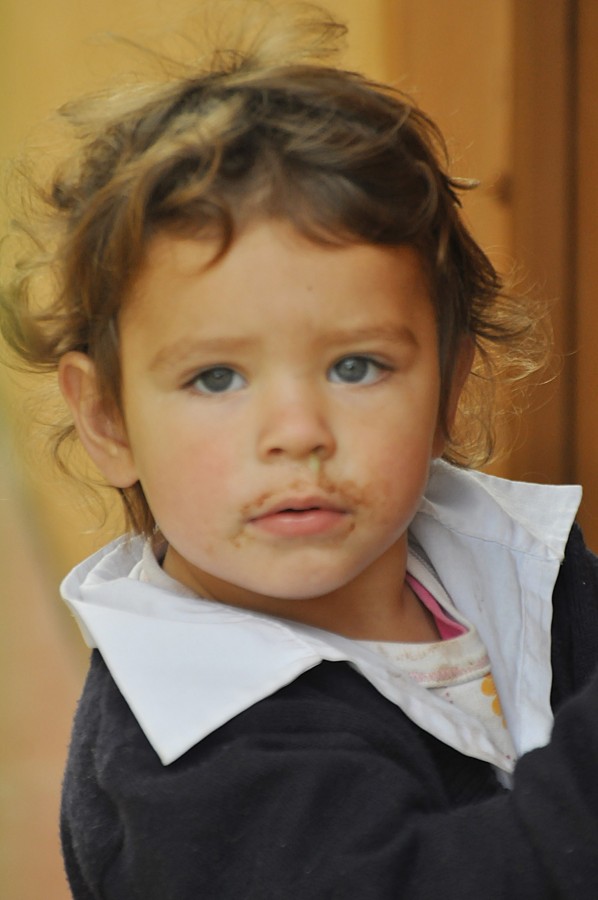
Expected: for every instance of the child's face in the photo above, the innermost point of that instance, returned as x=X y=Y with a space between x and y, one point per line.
x=281 y=411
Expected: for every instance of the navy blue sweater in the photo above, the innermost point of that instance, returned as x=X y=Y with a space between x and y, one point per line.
x=327 y=790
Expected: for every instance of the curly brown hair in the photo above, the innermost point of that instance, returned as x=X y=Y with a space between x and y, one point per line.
x=206 y=151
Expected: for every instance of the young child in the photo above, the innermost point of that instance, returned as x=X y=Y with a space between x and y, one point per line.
x=265 y=309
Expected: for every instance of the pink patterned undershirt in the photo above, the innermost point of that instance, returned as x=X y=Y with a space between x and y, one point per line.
x=447 y=627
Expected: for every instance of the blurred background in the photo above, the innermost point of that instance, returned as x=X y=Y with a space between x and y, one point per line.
x=512 y=83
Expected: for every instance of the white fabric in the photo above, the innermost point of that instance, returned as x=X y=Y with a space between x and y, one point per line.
x=457 y=671
x=187 y=665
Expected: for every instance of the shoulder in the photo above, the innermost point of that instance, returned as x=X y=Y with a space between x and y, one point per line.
x=328 y=721
x=329 y=700
x=327 y=714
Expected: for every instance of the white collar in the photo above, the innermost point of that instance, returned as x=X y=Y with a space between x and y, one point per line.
x=187 y=666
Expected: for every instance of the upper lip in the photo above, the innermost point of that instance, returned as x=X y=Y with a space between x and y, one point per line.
x=299 y=504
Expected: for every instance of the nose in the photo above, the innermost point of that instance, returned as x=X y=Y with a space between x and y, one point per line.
x=295 y=425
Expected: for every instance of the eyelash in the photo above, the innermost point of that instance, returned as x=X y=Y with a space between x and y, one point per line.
x=229 y=375
x=223 y=370
x=370 y=363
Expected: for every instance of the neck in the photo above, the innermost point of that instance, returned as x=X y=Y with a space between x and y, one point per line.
x=377 y=605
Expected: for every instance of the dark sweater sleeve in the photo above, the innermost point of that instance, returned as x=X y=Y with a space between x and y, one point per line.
x=575 y=620
x=325 y=790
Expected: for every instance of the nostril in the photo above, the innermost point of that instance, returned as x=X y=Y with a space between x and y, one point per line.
x=308 y=446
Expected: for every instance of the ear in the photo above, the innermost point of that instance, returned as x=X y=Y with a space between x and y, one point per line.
x=101 y=430
x=461 y=371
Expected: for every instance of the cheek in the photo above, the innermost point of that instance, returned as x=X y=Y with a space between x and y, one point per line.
x=395 y=500
x=170 y=452
x=404 y=445
x=399 y=470
x=186 y=477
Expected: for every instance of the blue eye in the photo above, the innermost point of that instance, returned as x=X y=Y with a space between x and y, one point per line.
x=218 y=380
x=357 y=370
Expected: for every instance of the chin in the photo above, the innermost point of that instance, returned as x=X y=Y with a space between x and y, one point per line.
x=301 y=592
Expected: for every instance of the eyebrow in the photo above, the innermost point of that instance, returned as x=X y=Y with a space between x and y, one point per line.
x=177 y=352
x=396 y=334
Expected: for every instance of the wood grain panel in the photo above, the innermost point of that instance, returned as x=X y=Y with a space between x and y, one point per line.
x=586 y=241
x=543 y=140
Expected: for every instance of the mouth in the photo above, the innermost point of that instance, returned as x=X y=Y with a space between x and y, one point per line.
x=301 y=518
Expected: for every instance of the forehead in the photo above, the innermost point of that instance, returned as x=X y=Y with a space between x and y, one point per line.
x=286 y=251
x=271 y=276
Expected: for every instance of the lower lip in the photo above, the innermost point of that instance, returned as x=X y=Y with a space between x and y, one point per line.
x=301 y=524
